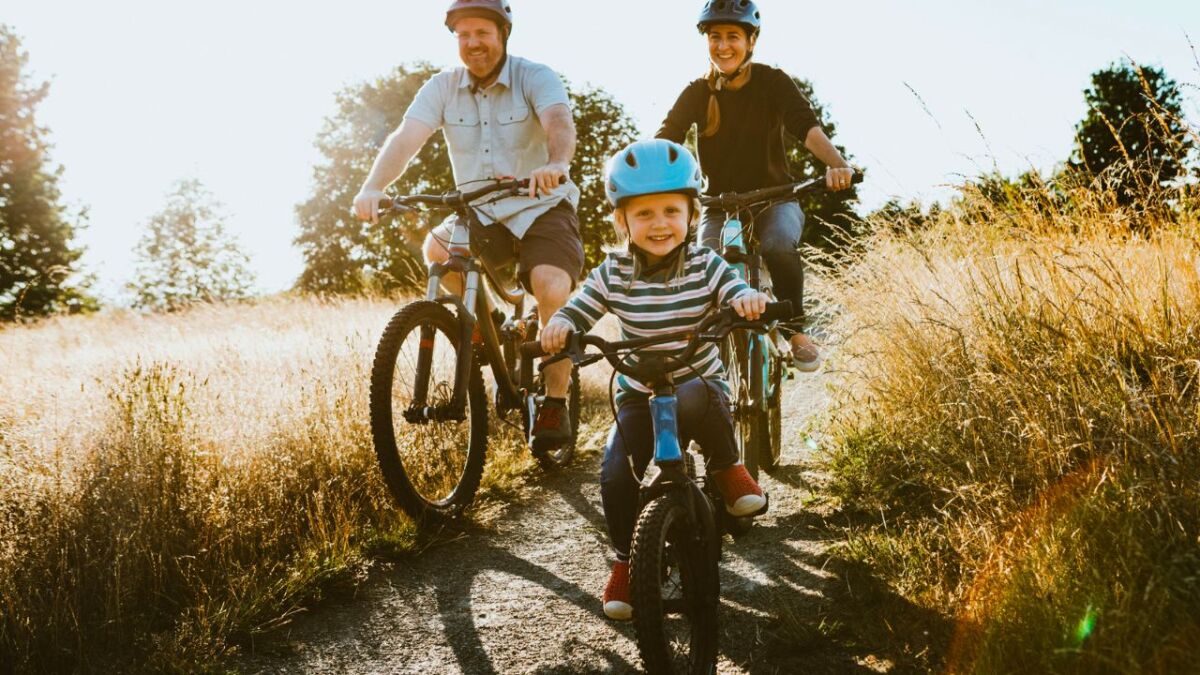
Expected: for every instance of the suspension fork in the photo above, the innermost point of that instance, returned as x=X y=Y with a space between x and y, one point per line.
x=464 y=355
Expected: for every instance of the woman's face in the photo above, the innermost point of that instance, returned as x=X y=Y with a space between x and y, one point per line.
x=656 y=223
x=727 y=46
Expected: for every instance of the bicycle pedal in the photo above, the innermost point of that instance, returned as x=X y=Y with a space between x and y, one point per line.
x=765 y=507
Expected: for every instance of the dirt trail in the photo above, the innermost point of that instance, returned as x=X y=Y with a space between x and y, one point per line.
x=523 y=596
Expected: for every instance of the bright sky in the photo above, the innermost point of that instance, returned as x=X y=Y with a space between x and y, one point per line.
x=146 y=92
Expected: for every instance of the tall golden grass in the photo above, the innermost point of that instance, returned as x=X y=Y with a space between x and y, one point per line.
x=1016 y=412
x=172 y=484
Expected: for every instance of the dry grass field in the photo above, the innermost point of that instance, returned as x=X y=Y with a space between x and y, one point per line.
x=1014 y=425
x=1016 y=420
x=169 y=483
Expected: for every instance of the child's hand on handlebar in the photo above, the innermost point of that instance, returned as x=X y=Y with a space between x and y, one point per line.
x=750 y=305
x=555 y=334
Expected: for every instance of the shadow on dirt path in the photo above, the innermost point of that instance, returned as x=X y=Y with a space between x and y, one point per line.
x=523 y=595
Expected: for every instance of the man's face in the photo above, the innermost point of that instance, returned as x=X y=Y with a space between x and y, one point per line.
x=480 y=44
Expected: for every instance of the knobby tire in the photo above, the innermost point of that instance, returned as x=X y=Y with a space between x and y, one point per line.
x=410 y=468
x=665 y=547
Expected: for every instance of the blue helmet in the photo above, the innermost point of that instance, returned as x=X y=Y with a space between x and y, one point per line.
x=741 y=12
x=651 y=167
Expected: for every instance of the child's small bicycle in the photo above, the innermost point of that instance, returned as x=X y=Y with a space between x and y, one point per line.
x=429 y=408
x=674 y=580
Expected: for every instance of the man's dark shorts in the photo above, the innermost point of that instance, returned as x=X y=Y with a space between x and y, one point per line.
x=553 y=239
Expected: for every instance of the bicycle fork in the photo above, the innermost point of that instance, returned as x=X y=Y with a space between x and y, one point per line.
x=420 y=411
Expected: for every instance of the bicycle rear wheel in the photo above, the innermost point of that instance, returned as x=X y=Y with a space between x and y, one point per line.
x=432 y=467
x=675 y=589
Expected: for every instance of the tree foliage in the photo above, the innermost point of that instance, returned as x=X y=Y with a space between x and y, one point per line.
x=36 y=255
x=345 y=255
x=341 y=253
x=603 y=128
x=186 y=256
x=1134 y=135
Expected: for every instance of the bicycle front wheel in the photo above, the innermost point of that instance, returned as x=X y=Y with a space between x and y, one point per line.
x=675 y=590
x=772 y=422
x=432 y=463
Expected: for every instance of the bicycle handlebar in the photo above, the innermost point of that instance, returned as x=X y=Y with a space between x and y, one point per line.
x=723 y=322
x=458 y=198
x=740 y=200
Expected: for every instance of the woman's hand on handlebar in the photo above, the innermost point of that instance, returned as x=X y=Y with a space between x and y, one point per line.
x=839 y=179
x=555 y=334
x=750 y=305
x=366 y=204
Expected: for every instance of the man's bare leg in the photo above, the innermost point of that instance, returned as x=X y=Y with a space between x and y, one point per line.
x=435 y=252
x=552 y=288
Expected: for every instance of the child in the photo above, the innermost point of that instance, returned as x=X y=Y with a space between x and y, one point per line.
x=660 y=284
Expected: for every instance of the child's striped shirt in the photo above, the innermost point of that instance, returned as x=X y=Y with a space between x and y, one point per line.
x=654 y=305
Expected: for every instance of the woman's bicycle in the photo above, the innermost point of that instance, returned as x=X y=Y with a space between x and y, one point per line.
x=756 y=363
x=674 y=580
x=429 y=407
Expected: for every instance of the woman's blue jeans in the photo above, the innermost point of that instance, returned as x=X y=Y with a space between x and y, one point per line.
x=704 y=416
x=778 y=230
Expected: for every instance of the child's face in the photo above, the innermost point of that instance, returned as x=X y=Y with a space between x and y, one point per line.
x=727 y=46
x=656 y=223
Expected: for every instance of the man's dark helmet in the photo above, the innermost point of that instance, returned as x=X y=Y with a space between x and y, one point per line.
x=496 y=10
x=740 y=12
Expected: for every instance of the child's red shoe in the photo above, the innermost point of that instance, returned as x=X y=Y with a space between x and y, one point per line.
x=616 y=593
x=742 y=495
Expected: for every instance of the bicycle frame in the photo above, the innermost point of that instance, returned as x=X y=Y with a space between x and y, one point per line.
x=748 y=263
x=676 y=468
x=479 y=336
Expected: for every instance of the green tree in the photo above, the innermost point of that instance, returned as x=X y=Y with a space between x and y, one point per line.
x=186 y=256
x=345 y=255
x=1134 y=136
x=37 y=259
x=603 y=127
x=826 y=213
x=341 y=253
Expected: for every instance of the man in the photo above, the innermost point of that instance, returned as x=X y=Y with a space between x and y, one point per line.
x=502 y=115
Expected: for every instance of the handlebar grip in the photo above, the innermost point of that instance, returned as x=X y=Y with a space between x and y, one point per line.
x=857 y=177
x=777 y=311
x=385 y=203
x=532 y=350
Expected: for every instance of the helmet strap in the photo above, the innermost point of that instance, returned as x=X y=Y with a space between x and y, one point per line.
x=477 y=83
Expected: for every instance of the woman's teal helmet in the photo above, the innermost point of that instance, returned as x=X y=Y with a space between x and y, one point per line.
x=651 y=167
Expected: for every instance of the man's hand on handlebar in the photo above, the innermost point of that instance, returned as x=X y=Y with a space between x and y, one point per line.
x=366 y=204
x=750 y=305
x=555 y=334
x=545 y=179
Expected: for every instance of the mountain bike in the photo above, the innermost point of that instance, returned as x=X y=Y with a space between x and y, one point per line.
x=674 y=580
x=756 y=363
x=429 y=407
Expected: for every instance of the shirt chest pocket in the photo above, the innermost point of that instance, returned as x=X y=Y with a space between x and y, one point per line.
x=513 y=115
x=461 y=126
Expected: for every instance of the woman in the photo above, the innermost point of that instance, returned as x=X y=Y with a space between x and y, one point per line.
x=742 y=110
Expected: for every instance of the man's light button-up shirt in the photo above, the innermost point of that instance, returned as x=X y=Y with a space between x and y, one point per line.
x=496 y=132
